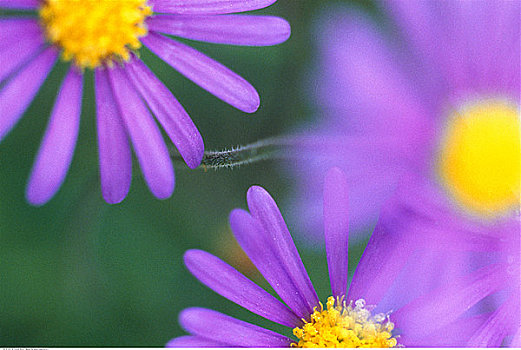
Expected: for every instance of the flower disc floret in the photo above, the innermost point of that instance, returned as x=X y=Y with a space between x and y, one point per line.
x=95 y=32
x=343 y=325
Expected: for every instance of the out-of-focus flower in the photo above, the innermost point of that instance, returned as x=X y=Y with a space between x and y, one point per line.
x=435 y=94
x=365 y=315
x=104 y=36
x=423 y=214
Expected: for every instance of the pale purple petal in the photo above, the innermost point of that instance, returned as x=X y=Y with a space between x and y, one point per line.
x=190 y=341
x=445 y=304
x=336 y=229
x=500 y=324
x=206 y=7
x=169 y=113
x=16 y=54
x=516 y=340
x=228 y=282
x=57 y=149
x=226 y=29
x=19 y=4
x=221 y=328
x=148 y=142
x=383 y=259
x=115 y=158
x=255 y=243
x=17 y=93
x=205 y=72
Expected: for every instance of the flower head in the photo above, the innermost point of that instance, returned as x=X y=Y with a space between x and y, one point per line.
x=104 y=36
x=435 y=95
x=380 y=309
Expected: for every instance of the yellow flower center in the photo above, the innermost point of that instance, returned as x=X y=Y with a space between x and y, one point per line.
x=345 y=326
x=480 y=158
x=95 y=32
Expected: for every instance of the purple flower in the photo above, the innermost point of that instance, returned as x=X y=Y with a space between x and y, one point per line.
x=435 y=94
x=103 y=36
x=379 y=305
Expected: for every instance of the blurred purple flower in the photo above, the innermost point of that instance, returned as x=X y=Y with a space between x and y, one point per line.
x=436 y=94
x=433 y=318
x=103 y=36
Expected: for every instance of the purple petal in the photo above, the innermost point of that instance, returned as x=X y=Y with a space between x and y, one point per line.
x=382 y=261
x=115 y=158
x=205 y=7
x=169 y=113
x=336 y=229
x=226 y=29
x=19 y=4
x=516 y=340
x=189 y=341
x=445 y=304
x=205 y=72
x=221 y=328
x=228 y=282
x=14 y=55
x=55 y=154
x=500 y=324
x=12 y=30
x=17 y=93
x=149 y=145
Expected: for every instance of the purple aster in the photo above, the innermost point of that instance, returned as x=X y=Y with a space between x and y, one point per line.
x=103 y=36
x=435 y=93
x=380 y=308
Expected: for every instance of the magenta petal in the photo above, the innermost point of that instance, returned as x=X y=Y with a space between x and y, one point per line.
x=228 y=282
x=445 y=304
x=169 y=113
x=14 y=55
x=190 y=341
x=57 y=149
x=336 y=229
x=17 y=93
x=19 y=4
x=12 y=30
x=221 y=328
x=148 y=142
x=205 y=72
x=115 y=158
x=516 y=340
x=201 y=7
x=226 y=29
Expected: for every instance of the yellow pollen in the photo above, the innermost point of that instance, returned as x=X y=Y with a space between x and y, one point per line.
x=480 y=158
x=95 y=32
x=345 y=326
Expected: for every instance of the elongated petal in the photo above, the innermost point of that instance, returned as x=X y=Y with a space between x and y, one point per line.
x=205 y=72
x=190 y=341
x=12 y=30
x=115 y=158
x=336 y=229
x=201 y=7
x=17 y=93
x=383 y=259
x=516 y=340
x=445 y=304
x=55 y=154
x=169 y=113
x=150 y=148
x=225 y=280
x=13 y=56
x=221 y=328
x=500 y=324
x=252 y=239
x=19 y=4
x=226 y=29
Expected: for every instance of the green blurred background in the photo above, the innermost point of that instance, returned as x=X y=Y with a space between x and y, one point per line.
x=80 y=272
